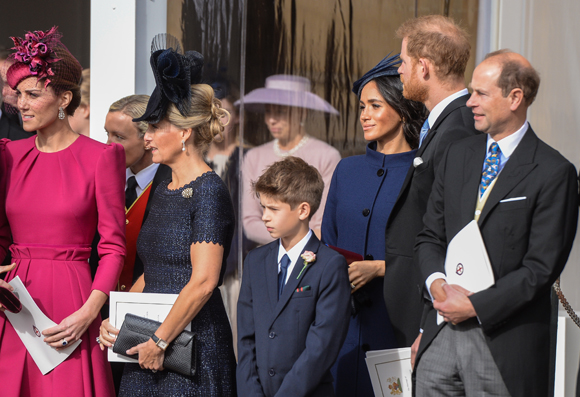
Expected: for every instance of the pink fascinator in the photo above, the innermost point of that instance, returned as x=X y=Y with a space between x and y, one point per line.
x=37 y=54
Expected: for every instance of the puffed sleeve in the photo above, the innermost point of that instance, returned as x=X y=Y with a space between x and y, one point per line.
x=110 y=197
x=5 y=236
x=213 y=217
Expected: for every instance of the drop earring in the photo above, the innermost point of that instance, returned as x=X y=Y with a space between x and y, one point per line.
x=61 y=113
x=183 y=146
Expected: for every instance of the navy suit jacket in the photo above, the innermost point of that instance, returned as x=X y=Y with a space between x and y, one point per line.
x=528 y=239
x=286 y=347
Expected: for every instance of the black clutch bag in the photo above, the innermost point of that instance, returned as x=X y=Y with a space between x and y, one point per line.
x=180 y=355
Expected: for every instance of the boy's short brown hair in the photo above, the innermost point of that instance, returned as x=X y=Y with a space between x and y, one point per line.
x=291 y=181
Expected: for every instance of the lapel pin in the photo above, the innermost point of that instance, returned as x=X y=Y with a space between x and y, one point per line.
x=417 y=161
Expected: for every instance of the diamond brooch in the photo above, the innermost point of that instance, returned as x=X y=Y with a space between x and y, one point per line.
x=187 y=192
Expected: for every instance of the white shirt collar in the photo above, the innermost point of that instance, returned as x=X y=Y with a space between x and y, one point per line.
x=440 y=107
x=143 y=177
x=293 y=254
x=508 y=144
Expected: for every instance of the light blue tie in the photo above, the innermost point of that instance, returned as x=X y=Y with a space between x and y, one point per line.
x=284 y=263
x=491 y=168
x=424 y=131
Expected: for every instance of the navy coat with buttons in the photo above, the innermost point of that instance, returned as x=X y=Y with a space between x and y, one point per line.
x=286 y=347
x=362 y=194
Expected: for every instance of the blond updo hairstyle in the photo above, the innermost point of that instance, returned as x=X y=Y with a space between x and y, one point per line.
x=205 y=119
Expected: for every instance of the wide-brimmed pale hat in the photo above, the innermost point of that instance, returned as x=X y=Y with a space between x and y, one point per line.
x=286 y=90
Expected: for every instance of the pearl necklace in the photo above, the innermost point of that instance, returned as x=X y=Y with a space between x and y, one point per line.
x=290 y=152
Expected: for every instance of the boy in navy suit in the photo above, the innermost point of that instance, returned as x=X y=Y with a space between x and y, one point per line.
x=293 y=309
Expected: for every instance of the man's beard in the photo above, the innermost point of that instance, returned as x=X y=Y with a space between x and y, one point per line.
x=414 y=90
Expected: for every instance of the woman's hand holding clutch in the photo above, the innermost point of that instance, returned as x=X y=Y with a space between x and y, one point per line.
x=150 y=355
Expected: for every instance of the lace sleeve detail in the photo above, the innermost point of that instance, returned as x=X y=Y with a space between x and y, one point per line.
x=213 y=217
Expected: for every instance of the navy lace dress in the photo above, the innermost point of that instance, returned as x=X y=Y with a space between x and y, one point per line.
x=173 y=224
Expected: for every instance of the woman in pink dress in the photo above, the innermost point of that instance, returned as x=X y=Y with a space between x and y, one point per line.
x=57 y=189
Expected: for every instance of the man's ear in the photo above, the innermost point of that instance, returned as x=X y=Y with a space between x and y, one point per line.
x=516 y=97
x=424 y=68
x=303 y=210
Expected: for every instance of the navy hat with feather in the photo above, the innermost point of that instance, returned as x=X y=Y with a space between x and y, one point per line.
x=174 y=73
x=389 y=66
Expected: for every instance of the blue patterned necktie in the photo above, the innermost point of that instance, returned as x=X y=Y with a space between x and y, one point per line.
x=284 y=263
x=491 y=168
x=424 y=131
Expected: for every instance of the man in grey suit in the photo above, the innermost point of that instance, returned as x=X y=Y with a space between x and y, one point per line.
x=524 y=196
x=434 y=54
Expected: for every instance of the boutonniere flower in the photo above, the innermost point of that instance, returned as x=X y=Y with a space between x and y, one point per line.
x=308 y=257
x=417 y=161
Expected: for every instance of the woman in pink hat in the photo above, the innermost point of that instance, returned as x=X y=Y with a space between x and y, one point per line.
x=57 y=189
x=285 y=102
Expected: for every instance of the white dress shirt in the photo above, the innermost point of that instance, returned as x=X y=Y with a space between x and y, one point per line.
x=143 y=177
x=440 y=107
x=293 y=254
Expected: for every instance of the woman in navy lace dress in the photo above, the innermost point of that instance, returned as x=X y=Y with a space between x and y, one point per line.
x=186 y=237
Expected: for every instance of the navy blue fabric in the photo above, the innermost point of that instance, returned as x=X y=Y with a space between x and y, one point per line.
x=174 y=223
x=286 y=346
x=284 y=263
x=367 y=182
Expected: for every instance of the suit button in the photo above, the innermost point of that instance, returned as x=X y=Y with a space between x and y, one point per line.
x=380 y=172
x=271 y=372
x=123 y=288
x=366 y=212
x=272 y=335
x=365 y=347
x=369 y=257
x=127 y=221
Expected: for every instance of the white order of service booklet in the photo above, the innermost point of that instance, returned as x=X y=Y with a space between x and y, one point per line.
x=29 y=324
x=467 y=263
x=152 y=306
x=390 y=372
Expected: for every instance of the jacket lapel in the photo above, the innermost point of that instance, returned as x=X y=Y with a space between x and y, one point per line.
x=312 y=245
x=520 y=164
x=472 y=178
x=457 y=103
x=271 y=272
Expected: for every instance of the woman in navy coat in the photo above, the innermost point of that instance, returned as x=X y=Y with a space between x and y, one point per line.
x=362 y=193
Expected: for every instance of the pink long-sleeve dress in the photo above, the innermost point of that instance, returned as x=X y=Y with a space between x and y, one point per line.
x=52 y=205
